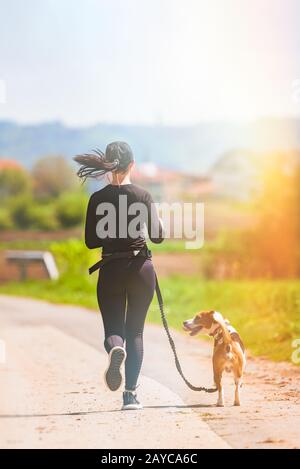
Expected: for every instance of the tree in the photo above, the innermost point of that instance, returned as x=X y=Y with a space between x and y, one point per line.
x=14 y=182
x=52 y=175
x=278 y=231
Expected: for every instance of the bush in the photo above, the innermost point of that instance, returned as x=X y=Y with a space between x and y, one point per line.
x=70 y=209
x=21 y=212
x=43 y=217
x=5 y=220
x=26 y=214
x=73 y=257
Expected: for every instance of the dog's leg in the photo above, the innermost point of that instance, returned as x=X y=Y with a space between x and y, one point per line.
x=237 y=380
x=218 y=381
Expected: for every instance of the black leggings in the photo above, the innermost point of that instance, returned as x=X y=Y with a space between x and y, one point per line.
x=125 y=291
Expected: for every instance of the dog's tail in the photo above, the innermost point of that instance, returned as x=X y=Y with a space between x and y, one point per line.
x=226 y=334
x=229 y=354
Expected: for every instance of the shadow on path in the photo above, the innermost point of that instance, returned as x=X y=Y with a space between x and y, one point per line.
x=68 y=414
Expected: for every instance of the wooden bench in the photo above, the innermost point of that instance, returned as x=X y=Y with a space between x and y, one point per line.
x=24 y=258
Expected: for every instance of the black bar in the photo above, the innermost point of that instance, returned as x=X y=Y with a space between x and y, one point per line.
x=134 y=458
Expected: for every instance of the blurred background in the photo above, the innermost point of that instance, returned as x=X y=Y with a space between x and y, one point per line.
x=208 y=96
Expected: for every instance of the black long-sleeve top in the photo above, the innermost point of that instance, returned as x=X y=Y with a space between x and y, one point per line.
x=109 y=215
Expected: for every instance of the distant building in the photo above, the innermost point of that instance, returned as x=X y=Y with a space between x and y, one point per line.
x=170 y=185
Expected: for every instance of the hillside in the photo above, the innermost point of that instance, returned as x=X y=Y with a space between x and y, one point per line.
x=194 y=148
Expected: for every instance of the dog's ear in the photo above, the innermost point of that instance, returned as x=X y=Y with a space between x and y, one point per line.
x=218 y=317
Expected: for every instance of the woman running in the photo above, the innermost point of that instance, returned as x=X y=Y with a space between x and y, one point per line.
x=116 y=219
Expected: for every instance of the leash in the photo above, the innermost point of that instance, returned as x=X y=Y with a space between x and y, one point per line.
x=172 y=343
x=147 y=253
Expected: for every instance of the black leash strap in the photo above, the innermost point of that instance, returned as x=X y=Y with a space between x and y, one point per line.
x=147 y=254
x=172 y=344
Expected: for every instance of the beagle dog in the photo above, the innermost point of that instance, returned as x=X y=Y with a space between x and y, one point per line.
x=228 y=353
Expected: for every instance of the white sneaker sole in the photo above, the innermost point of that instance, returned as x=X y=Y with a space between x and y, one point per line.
x=113 y=377
x=132 y=407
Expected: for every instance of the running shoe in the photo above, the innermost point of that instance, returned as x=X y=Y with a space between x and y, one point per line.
x=113 y=376
x=130 y=401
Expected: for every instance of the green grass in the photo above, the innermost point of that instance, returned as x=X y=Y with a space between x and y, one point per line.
x=168 y=246
x=266 y=313
x=79 y=291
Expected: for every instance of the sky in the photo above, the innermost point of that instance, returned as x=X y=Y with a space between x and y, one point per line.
x=171 y=62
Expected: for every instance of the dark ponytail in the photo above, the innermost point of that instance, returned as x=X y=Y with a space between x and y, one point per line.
x=117 y=157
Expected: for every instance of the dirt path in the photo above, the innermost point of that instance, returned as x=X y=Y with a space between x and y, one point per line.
x=52 y=392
